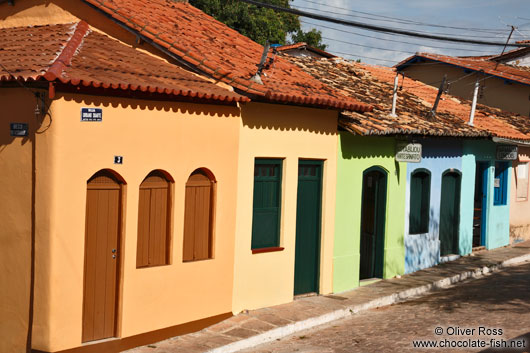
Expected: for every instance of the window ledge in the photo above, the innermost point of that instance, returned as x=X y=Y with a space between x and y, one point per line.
x=263 y=250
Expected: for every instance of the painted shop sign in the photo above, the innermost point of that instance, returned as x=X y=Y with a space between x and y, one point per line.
x=91 y=114
x=506 y=152
x=19 y=129
x=408 y=152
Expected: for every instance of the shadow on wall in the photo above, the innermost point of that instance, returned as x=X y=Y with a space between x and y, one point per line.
x=289 y=118
x=184 y=107
x=353 y=146
x=423 y=250
x=25 y=113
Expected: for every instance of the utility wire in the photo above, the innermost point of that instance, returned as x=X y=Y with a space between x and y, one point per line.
x=409 y=52
x=364 y=57
x=393 y=40
x=420 y=32
x=377 y=17
x=376 y=28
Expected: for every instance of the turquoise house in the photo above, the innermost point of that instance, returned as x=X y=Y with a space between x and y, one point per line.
x=489 y=209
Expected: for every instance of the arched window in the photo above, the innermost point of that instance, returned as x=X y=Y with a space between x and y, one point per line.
x=198 y=216
x=154 y=216
x=420 y=195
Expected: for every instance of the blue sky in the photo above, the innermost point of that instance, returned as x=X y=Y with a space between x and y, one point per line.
x=490 y=20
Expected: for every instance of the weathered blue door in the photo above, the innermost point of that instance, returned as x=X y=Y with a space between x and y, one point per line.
x=308 y=215
x=373 y=214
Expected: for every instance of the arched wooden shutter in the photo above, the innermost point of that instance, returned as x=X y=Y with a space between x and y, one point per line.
x=198 y=217
x=153 y=221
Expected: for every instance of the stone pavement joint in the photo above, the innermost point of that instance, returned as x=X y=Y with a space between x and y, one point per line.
x=260 y=326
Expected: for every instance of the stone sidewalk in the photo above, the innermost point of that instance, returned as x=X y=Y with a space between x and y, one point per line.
x=247 y=330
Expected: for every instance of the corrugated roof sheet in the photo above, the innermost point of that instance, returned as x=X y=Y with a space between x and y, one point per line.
x=191 y=35
x=375 y=85
x=75 y=55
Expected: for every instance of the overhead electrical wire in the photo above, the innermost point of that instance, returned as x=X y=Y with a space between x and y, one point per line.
x=378 y=28
x=421 y=32
x=394 y=40
x=378 y=17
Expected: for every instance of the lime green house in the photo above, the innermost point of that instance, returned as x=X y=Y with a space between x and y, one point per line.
x=369 y=216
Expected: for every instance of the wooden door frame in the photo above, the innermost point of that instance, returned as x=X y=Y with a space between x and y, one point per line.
x=321 y=163
x=385 y=173
x=120 y=245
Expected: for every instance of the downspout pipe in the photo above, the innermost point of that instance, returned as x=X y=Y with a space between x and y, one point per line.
x=474 y=104
x=394 y=98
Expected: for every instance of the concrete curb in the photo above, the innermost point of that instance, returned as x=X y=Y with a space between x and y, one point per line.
x=287 y=330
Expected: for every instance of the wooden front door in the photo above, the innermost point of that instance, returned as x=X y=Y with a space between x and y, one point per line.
x=101 y=256
x=449 y=213
x=308 y=221
x=373 y=214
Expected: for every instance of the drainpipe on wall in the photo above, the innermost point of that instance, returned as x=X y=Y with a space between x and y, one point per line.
x=474 y=104
x=394 y=98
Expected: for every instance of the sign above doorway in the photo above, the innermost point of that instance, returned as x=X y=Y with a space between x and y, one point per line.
x=408 y=152
x=506 y=153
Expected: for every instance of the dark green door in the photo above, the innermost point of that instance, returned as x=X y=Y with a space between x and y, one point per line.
x=449 y=213
x=308 y=215
x=373 y=214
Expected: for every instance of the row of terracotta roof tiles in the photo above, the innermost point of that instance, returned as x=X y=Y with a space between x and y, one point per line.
x=73 y=54
x=374 y=85
x=223 y=53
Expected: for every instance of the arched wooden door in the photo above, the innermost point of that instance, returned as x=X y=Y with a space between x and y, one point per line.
x=449 y=213
x=373 y=219
x=102 y=228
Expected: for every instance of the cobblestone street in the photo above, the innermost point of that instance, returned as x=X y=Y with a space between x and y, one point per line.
x=497 y=301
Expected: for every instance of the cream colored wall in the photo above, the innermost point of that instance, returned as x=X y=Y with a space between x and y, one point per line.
x=512 y=97
x=16 y=166
x=291 y=133
x=519 y=209
x=175 y=137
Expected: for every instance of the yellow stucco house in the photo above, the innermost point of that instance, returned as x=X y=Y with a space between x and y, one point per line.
x=155 y=179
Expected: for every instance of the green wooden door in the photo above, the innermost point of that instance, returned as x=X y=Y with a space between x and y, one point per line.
x=449 y=213
x=373 y=217
x=308 y=220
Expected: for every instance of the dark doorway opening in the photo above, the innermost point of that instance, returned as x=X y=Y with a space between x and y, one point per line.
x=450 y=213
x=480 y=204
x=373 y=214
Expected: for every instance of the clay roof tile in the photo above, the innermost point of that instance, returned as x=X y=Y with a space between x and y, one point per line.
x=75 y=55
